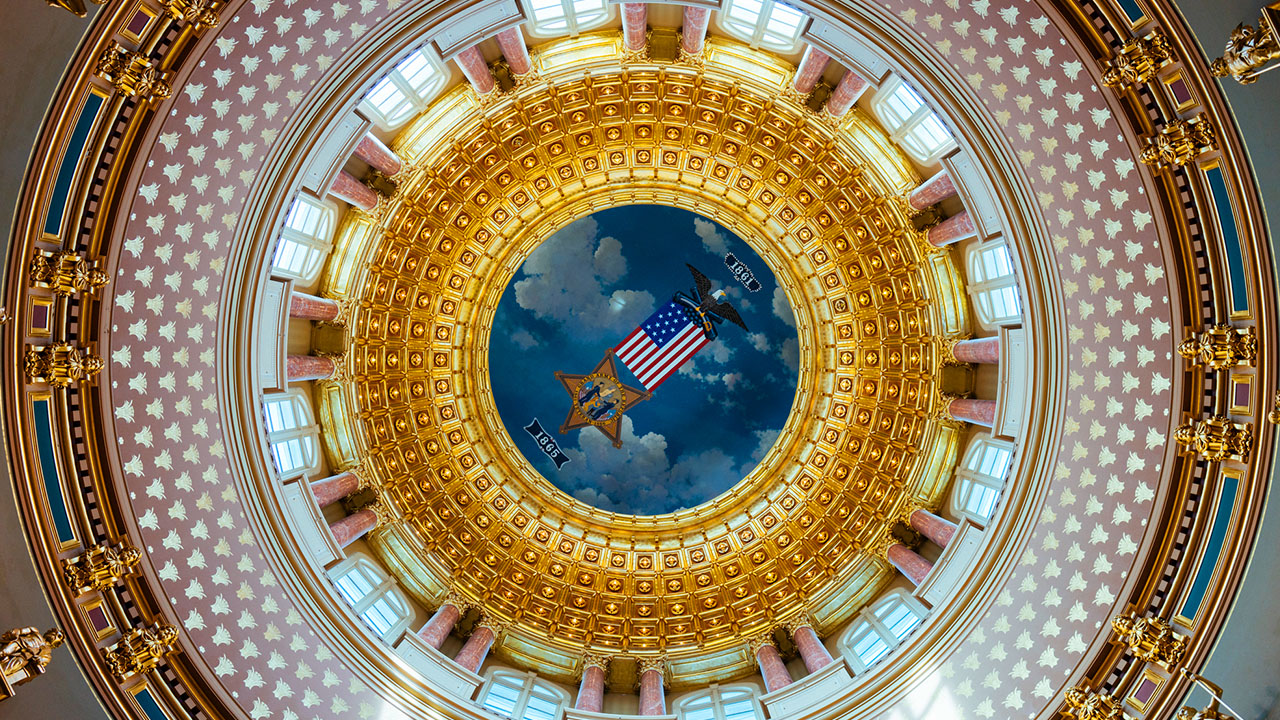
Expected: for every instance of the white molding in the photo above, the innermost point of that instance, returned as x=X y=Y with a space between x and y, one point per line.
x=273 y=335
x=441 y=670
x=308 y=525
x=475 y=26
x=1011 y=393
x=812 y=693
x=953 y=567
x=333 y=152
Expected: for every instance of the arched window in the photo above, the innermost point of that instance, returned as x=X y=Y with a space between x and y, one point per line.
x=980 y=477
x=765 y=24
x=732 y=702
x=880 y=627
x=292 y=432
x=305 y=240
x=373 y=595
x=522 y=696
x=404 y=92
x=993 y=285
x=566 y=17
x=910 y=122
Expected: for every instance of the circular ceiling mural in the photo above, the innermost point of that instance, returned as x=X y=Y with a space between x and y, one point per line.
x=620 y=335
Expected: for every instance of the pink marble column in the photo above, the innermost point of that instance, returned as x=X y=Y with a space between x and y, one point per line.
x=653 y=698
x=954 y=229
x=310 y=307
x=353 y=527
x=348 y=188
x=335 y=487
x=511 y=42
x=380 y=157
x=812 y=651
x=909 y=563
x=772 y=668
x=591 y=691
x=309 y=367
x=932 y=191
x=473 y=653
x=978 y=412
x=939 y=530
x=440 y=625
x=979 y=350
x=810 y=70
x=634 y=23
x=472 y=64
x=846 y=94
x=693 y=33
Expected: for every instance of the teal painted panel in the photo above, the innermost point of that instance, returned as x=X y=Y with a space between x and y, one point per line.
x=70 y=160
x=148 y=703
x=40 y=413
x=1230 y=239
x=1212 y=549
x=1131 y=10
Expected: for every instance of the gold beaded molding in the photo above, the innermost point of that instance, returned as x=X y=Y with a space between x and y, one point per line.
x=819 y=202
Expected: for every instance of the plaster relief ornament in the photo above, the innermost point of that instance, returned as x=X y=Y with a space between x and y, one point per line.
x=653 y=352
x=99 y=567
x=140 y=650
x=1150 y=639
x=24 y=654
x=1221 y=347
x=1216 y=438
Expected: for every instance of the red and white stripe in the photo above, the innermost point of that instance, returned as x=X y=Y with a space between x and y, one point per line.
x=653 y=365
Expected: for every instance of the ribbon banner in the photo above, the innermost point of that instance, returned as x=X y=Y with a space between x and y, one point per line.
x=741 y=272
x=547 y=443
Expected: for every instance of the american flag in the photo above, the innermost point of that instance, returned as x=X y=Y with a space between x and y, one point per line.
x=661 y=345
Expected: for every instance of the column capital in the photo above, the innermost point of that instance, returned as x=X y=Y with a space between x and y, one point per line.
x=495 y=626
x=653 y=663
x=947 y=346
x=365 y=479
x=590 y=660
x=941 y=410
x=761 y=641
x=804 y=619
x=458 y=600
x=880 y=544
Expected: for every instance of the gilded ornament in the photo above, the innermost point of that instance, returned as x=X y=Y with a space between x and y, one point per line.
x=1250 y=50
x=140 y=650
x=1213 y=711
x=1150 y=639
x=24 y=654
x=131 y=73
x=1138 y=61
x=759 y=642
x=948 y=349
x=1220 y=347
x=60 y=364
x=590 y=660
x=1180 y=142
x=1084 y=705
x=1273 y=417
x=648 y=664
x=99 y=567
x=199 y=14
x=66 y=272
x=1216 y=438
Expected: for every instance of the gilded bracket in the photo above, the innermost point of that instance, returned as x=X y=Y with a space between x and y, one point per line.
x=1138 y=61
x=60 y=364
x=1150 y=639
x=140 y=650
x=1084 y=705
x=131 y=73
x=1180 y=142
x=1216 y=438
x=1220 y=347
x=199 y=14
x=66 y=273
x=99 y=567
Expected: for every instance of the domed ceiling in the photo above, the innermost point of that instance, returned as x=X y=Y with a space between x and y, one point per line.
x=788 y=450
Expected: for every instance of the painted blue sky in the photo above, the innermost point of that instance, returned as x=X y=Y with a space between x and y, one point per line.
x=585 y=289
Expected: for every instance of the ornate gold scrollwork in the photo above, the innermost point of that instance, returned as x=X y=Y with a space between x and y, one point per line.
x=140 y=650
x=646 y=664
x=590 y=660
x=1150 y=639
x=948 y=350
x=198 y=13
x=1249 y=50
x=1180 y=142
x=1216 y=438
x=1084 y=705
x=131 y=73
x=75 y=7
x=99 y=567
x=60 y=364
x=758 y=642
x=1138 y=61
x=1221 y=347
x=24 y=654
x=66 y=272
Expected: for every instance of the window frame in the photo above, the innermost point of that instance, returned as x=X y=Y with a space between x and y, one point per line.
x=757 y=36
x=385 y=589
x=968 y=478
x=910 y=131
x=573 y=24
x=305 y=434
x=869 y=623
x=316 y=243
x=415 y=98
x=717 y=702
x=993 y=294
x=529 y=683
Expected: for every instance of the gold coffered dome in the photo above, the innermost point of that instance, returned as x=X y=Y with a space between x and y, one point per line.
x=822 y=203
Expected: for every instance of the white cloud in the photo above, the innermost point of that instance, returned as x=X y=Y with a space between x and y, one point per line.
x=524 y=339
x=712 y=239
x=565 y=281
x=628 y=472
x=759 y=341
x=789 y=353
x=782 y=308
